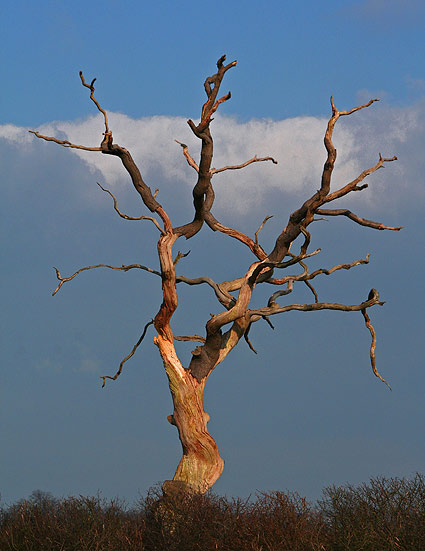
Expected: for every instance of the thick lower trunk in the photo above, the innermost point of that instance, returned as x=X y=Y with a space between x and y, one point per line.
x=201 y=464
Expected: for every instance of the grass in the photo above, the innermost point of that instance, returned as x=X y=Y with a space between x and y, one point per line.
x=384 y=514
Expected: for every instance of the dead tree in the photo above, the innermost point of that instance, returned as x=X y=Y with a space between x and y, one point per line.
x=201 y=464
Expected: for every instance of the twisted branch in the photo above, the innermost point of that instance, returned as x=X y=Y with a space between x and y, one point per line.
x=186 y=153
x=255 y=159
x=223 y=296
x=135 y=347
x=130 y=217
x=353 y=185
x=274 y=308
x=185 y=338
x=263 y=223
x=124 y=268
x=313 y=290
x=357 y=219
x=94 y=100
x=306 y=276
x=303 y=216
x=372 y=293
x=64 y=143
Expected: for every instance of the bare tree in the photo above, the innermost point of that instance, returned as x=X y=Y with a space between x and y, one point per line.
x=201 y=464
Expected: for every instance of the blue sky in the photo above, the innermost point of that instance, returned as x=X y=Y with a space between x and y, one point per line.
x=307 y=411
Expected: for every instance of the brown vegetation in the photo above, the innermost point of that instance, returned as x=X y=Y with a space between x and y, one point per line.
x=388 y=514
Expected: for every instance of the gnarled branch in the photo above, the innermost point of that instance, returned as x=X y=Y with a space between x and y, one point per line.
x=353 y=185
x=202 y=131
x=187 y=155
x=303 y=216
x=255 y=159
x=369 y=325
x=64 y=143
x=223 y=296
x=124 y=268
x=357 y=219
x=189 y=338
x=263 y=223
x=135 y=347
x=274 y=308
x=94 y=100
x=130 y=217
x=306 y=276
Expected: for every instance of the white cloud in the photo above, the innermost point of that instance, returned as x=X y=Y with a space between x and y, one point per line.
x=296 y=143
x=15 y=134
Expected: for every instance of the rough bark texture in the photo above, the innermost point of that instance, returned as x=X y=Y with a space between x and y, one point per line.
x=201 y=464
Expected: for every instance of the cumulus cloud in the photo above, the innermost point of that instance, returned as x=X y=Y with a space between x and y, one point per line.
x=297 y=144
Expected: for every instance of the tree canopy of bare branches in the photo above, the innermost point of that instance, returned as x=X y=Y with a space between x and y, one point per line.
x=201 y=464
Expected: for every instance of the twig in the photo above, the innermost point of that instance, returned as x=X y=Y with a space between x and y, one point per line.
x=124 y=268
x=254 y=159
x=305 y=276
x=196 y=338
x=369 y=325
x=215 y=225
x=118 y=373
x=94 y=100
x=246 y=337
x=296 y=259
x=342 y=113
x=64 y=143
x=263 y=223
x=282 y=292
x=180 y=256
x=307 y=240
x=224 y=297
x=211 y=105
x=130 y=217
x=357 y=219
x=353 y=185
x=312 y=289
x=186 y=153
x=274 y=308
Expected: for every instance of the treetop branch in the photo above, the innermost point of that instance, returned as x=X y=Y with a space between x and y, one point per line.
x=353 y=185
x=94 y=100
x=303 y=216
x=108 y=148
x=212 y=86
x=354 y=109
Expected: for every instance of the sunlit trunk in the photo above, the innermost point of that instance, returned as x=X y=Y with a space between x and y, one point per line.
x=201 y=464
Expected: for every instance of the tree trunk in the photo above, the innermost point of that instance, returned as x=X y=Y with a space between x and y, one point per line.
x=201 y=464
